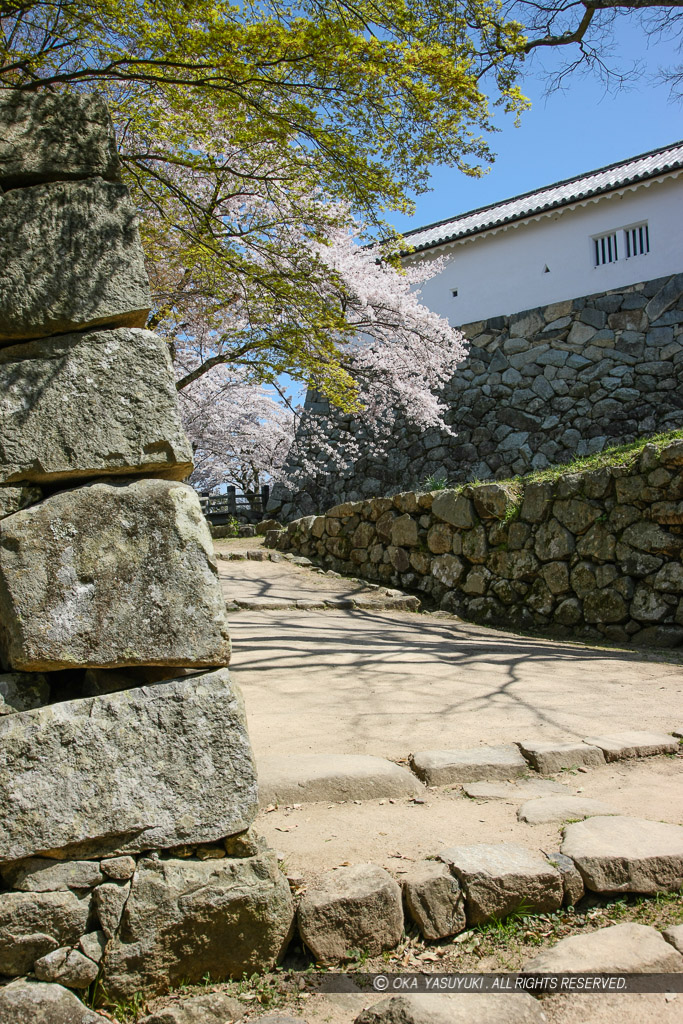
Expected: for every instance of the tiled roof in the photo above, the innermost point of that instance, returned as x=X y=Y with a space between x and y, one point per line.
x=605 y=179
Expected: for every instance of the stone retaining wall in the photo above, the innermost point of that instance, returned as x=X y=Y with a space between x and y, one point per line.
x=537 y=389
x=592 y=552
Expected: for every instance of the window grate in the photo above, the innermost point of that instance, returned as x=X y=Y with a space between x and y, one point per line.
x=606 y=249
x=637 y=240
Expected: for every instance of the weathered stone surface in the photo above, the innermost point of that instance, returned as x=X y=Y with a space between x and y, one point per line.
x=40 y=874
x=626 y=854
x=548 y=757
x=456 y=1008
x=307 y=778
x=572 y=882
x=12 y=499
x=621 y=948
x=501 y=878
x=109 y=575
x=352 y=908
x=207 y=1008
x=71 y=258
x=434 y=900
x=633 y=743
x=561 y=808
x=118 y=868
x=453 y=508
x=526 y=789
x=66 y=967
x=92 y=945
x=21 y=691
x=440 y=767
x=34 y=923
x=185 y=918
x=108 y=903
x=34 y=1002
x=48 y=136
x=122 y=403
x=154 y=767
x=674 y=936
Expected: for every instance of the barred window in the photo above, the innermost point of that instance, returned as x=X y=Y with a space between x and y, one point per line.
x=637 y=240
x=606 y=249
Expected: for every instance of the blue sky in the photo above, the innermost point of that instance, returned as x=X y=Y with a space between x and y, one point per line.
x=563 y=134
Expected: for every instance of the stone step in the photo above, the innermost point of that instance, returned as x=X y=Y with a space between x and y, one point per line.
x=621 y=854
x=441 y=767
x=633 y=743
x=561 y=808
x=548 y=757
x=525 y=789
x=309 y=778
x=455 y=1008
x=621 y=948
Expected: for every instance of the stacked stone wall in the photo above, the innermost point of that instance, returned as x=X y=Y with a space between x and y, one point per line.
x=127 y=780
x=537 y=389
x=591 y=553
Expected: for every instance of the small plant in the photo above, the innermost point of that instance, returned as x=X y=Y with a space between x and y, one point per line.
x=435 y=482
x=128 y=1011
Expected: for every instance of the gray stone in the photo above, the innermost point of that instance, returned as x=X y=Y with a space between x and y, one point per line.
x=561 y=808
x=440 y=767
x=12 y=499
x=455 y=1008
x=40 y=874
x=122 y=404
x=354 y=908
x=187 y=918
x=626 y=854
x=109 y=901
x=21 y=691
x=447 y=569
x=307 y=778
x=548 y=757
x=572 y=882
x=34 y=1002
x=92 y=945
x=513 y=792
x=500 y=879
x=34 y=923
x=118 y=868
x=207 y=1008
x=143 y=769
x=66 y=967
x=71 y=258
x=620 y=949
x=674 y=936
x=46 y=136
x=109 y=575
x=553 y=542
x=434 y=900
x=633 y=743
x=665 y=298
x=453 y=508
x=404 y=531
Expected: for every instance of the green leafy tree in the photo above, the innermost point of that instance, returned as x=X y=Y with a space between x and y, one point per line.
x=252 y=134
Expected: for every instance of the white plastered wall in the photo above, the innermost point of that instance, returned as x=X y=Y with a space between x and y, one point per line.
x=500 y=272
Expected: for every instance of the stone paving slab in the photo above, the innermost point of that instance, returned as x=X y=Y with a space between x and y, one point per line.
x=455 y=1008
x=626 y=854
x=310 y=778
x=502 y=878
x=561 y=808
x=548 y=757
x=621 y=948
x=525 y=789
x=441 y=767
x=634 y=743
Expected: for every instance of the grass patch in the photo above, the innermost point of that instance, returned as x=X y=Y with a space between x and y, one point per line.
x=624 y=455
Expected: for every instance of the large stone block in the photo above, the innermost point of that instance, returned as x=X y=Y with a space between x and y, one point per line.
x=70 y=258
x=34 y=923
x=109 y=575
x=122 y=406
x=187 y=918
x=12 y=499
x=54 y=137
x=155 y=767
x=34 y=1002
x=626 y=854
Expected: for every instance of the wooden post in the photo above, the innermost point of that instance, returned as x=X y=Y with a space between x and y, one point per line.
x=232 y=501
